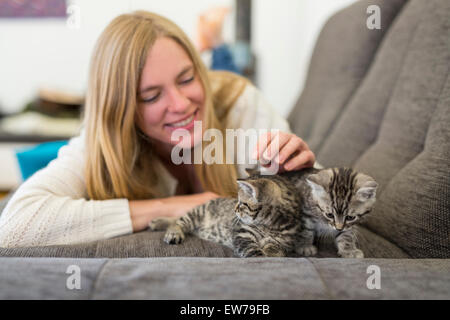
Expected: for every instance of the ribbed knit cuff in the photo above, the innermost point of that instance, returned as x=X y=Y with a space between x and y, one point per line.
x=113 y=218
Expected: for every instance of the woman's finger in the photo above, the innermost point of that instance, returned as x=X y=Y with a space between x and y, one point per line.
x=261 y=145
x=304 y=159
x=278 y=141
x=294 y=144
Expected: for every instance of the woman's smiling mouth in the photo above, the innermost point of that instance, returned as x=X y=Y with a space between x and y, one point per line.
x=184 y=123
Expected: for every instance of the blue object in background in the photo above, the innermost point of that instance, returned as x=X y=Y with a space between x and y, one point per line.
x=222 y=59
x=37 y=157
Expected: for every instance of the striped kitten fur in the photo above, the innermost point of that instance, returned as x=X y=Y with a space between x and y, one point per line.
x=333 y=203
x=277 y=215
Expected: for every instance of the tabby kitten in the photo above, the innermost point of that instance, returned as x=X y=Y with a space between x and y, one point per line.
x=263 y=221
x=278 y=214
x=333 y=202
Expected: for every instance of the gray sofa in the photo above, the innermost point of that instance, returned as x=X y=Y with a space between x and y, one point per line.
x=375 y=100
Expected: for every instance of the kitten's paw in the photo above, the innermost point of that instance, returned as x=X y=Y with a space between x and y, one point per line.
x=160 y=224
x=273 y=251
x=253 y=253
x=174 y=236
x=307 y=251
x=356 y=254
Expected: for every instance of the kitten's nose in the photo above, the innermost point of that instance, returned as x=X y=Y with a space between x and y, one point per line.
x=339 y=226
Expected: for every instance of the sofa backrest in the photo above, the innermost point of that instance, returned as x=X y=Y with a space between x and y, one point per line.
x=379 y=101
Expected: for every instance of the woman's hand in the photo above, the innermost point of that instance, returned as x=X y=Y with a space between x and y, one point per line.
x=286 y=149
x=144 y=211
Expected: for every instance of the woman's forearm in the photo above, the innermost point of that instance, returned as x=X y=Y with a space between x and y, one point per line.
x=144 y=211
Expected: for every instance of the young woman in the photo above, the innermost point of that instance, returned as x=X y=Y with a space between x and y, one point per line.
x=146 y=80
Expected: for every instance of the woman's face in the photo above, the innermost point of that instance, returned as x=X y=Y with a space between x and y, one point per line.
x=170 y=95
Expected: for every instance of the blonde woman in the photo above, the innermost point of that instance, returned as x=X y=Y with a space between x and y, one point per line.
x=146 y=80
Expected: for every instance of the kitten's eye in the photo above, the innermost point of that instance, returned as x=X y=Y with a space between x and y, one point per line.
x=330 y=215
x=350 y=218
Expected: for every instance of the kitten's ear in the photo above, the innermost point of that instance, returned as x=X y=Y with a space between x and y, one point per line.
x=247 y=190
x=317 y=191
x=366 y=186
x=252 y=171
x=318 y=182
x=322 y=178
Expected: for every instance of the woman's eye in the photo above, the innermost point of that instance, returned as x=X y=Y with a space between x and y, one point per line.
x=349 y=218
x=187 y=80
x=330 y=215
x=152 y=99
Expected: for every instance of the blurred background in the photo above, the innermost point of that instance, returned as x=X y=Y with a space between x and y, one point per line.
x=45 y=49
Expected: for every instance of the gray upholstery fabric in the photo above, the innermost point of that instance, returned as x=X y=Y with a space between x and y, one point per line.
x=400 y=279
x=394 y=126
x=150 y=244
x=141 y=244
x=223 y=278
x=341 y=59
x=46 y=278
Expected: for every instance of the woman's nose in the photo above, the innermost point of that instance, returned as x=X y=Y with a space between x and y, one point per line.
x=178 y=102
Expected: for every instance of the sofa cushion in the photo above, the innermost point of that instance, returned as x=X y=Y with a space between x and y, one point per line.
x=341 y=58
x=223 y=278
x=46 y=278
x=395 y=128
x=150 y=244
x=385 y=91
x=141 y=244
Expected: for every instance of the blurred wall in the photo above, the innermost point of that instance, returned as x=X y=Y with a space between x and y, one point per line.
x=284 y=34
x=46 y=52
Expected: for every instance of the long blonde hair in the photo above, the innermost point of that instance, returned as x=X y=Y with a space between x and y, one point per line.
x=120 y=162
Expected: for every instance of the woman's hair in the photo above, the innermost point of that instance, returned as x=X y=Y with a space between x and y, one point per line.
x=120 y=162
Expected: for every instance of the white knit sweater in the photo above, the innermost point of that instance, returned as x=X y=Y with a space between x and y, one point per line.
x=50 y=208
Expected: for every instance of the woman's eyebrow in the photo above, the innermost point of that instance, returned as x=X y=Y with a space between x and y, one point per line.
x=185 y=70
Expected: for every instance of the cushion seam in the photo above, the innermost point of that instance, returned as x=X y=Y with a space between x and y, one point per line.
x=327 y=290
x=96 y=280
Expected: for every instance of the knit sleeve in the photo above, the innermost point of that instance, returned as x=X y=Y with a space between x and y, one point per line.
x=50 y=207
